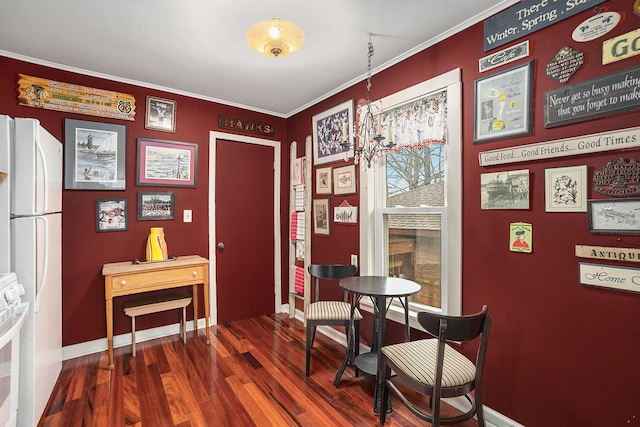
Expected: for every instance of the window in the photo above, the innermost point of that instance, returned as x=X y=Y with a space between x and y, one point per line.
x=411 y=201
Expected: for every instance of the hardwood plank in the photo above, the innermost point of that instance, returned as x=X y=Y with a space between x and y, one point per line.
x=252 y=374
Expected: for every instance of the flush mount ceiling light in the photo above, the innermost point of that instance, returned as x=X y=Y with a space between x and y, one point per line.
x=275 y=37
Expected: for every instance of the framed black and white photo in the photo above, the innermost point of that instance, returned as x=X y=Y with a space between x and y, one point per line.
x=160 y=114
x=503 y=104
x=156 y=205
x=618 y=216
x=566 y=189
x=94 y=155
x=505 y=190
x=332 y=134
x=111 y=215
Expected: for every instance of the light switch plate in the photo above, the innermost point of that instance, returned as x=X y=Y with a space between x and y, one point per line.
x=354 y=259
x=187 y=215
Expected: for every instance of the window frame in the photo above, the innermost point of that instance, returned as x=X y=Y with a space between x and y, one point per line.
x=372 y=258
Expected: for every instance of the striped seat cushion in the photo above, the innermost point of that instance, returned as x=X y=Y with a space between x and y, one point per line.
x=418 y=360
x=331 y=310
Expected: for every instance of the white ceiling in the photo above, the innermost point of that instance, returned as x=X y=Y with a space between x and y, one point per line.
x=198 y=47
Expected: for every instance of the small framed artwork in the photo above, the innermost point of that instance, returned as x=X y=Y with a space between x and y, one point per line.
x=332 y=134
x=619 y=216
x=160 y=114
x=505 y=190
x=344 y=180
x=156 y=205
x=111 y=215
x=345 y=214
x=94 y=155
x=323 y=180
x=503 y=104
x=566 y=189
x=321 y=217
x=520 y=237
x=167 y=163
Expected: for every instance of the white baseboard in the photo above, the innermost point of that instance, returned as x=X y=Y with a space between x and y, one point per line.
x=96 y=346
x=492 y=417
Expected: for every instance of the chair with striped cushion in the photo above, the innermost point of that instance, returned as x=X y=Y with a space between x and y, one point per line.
x=332 y=313
x=435 y=368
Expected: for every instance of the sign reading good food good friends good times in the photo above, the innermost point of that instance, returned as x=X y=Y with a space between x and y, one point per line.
x=594 y=143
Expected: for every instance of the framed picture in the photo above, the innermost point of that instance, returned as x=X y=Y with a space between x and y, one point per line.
x=167 y=163
x=94 y=155
x=619 y=216
x=505 y=190
x=344 y=180
x=331 y=129
x=321 y=216
x=111 y=215
x=566 y=189
x=160 y=114
x=323 y=180
x=156 y=205
x=503 y=104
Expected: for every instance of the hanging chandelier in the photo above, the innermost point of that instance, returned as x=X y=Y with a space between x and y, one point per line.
x=371 y=143
x=275 y=37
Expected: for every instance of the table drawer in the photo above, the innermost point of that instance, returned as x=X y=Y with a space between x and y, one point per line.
x=157 y=278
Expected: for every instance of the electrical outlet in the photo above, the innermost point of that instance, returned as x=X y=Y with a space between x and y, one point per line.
x=187 y=215
x=354 y=259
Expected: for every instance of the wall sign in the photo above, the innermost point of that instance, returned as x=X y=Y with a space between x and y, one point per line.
x=618 y=179
x=566 y=62
x=244 y=125
x=528 y=17
x=622 y=47
x=625 y=279
x=596 y=26
x=594 y=143
x=505 y=56
x=599 y=97
x=603 y=252
x=71 y=98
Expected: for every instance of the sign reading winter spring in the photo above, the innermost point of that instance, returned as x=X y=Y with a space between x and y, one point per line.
x=625 y=279
x=599 y=97
x=71 y=98
x=528 y=17
x=594 y=143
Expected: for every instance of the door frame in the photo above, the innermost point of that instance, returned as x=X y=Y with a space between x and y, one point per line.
x=277 y=279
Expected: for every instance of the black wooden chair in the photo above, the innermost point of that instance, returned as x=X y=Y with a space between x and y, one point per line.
x=434 y=368
x=332 y=313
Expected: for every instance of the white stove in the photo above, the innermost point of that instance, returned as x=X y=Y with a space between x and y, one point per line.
x=13 y=314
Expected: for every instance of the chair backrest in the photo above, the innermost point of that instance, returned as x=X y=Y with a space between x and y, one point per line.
x=329 y=272
x=455 y=328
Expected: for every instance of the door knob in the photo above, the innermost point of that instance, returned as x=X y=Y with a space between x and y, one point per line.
x=220 y=245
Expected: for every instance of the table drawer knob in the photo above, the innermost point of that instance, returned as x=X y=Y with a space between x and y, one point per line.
x=124 y=282
x=195 y=273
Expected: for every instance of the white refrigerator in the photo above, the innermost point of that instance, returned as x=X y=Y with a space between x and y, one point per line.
x=33 y=159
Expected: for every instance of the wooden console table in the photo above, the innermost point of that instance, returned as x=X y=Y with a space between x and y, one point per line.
x=126 y=278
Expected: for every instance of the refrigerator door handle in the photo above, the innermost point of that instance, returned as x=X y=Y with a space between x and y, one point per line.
x=45 y=184
x=40 y=281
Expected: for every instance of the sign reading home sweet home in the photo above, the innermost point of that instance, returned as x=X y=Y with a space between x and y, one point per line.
x=622 y=278
x=530 y=16
x=244 y=125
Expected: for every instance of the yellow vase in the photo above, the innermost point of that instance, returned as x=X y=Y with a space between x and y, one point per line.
x=156 y=245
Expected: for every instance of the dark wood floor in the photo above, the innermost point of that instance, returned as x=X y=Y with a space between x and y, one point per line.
x=251 y=374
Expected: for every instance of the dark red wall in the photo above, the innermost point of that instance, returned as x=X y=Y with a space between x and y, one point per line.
x=560 y=354
x=84 y=251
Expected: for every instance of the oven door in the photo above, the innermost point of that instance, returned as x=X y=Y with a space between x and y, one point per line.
x=9 y=368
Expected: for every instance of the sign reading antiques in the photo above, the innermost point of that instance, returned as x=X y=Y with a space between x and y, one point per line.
x=594 y=143
x=618 y=179
x=613 y=254
x=244 y=125
x=599 y=97
x=529 y=16
x=625 y=279
x=71 y=98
